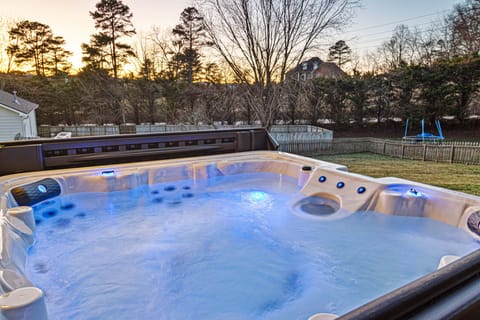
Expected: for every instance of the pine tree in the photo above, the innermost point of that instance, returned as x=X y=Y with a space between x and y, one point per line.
x=113 y=19
x=340 y=53
x=191 y=36
x=33 y=43
x=59 y=56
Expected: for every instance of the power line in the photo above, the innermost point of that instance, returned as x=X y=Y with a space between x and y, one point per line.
x=465 y=10
x=365 y=38
x=359 y=39
x=390 y=31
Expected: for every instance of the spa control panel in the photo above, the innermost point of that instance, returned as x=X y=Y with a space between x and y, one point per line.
x=353 y=192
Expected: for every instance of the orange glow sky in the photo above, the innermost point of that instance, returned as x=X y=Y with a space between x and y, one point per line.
x=71 y=20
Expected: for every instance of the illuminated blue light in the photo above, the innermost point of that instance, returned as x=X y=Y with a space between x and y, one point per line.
x=256 y=199
x=42 y=188
x=258 y=196
x=322 y=179
x=340 y=185
x=361 y=190
x=108 y=173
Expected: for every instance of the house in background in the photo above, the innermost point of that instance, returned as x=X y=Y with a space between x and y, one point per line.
x=17 y=117
x=315 y=68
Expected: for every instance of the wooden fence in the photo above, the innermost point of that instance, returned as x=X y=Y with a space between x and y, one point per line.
x=460 y=152
x=312 y=147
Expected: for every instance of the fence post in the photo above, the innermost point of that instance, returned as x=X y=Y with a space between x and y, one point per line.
x=403 y=151
x=424 y=152
x=452 y=153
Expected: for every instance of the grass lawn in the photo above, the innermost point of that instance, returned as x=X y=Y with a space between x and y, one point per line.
x=460 y=177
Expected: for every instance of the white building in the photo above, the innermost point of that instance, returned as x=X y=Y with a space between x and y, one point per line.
x=17 y=117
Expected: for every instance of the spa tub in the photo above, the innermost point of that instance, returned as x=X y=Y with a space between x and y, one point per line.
x=321 y=196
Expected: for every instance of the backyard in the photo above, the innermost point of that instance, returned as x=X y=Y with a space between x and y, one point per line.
x=459 y=177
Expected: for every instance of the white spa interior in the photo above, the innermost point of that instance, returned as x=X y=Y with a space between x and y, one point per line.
x=334 y=187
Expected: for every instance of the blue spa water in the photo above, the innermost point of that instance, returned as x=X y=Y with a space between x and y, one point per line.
x=223 y=248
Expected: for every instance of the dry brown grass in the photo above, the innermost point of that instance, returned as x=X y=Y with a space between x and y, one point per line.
x=460 y=177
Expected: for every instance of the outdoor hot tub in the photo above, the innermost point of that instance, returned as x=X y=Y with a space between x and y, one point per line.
x=249 y=235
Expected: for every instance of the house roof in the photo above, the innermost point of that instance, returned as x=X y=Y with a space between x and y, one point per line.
x=15 y=103
x=309 y=65
x=330 y=69
x=317 y=65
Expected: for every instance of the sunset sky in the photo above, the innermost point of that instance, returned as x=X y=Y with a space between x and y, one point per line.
x=70 y=18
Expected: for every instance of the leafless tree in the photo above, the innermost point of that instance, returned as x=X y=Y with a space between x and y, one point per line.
x=262 y=39
x=431 y=44
x=424 y=46
x=145 y=56
x=165 y=48
x=398 y=50
x=464 y=24
x=372 y=62
x=7 y=58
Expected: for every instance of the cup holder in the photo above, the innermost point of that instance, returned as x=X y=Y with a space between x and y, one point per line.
x=473 y=223
x=319 y=206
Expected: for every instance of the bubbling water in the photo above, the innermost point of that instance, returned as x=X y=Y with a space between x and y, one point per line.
x=224 y=248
